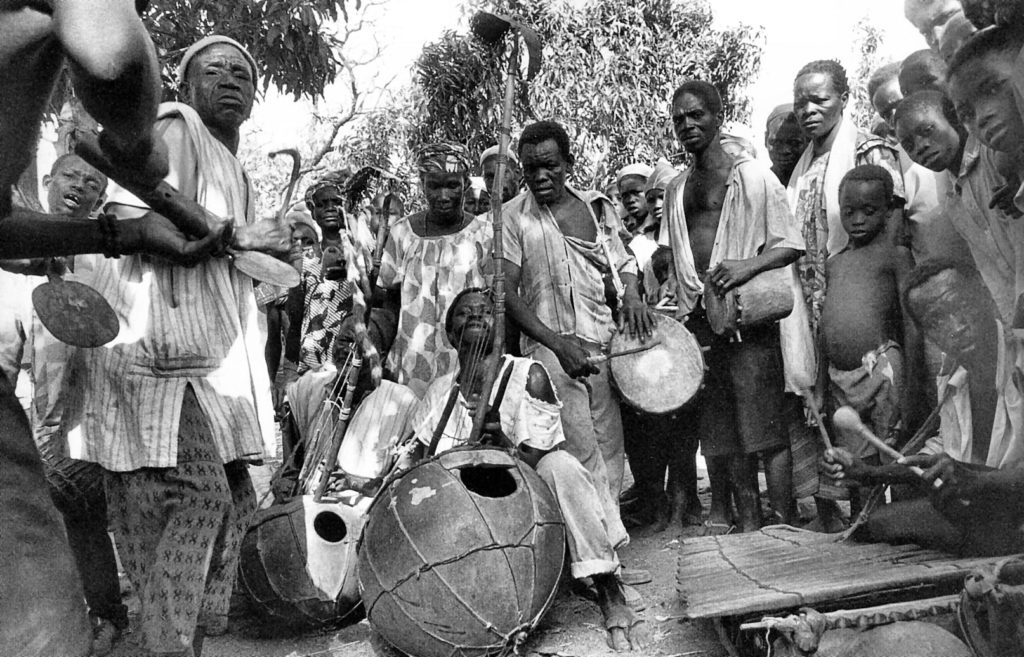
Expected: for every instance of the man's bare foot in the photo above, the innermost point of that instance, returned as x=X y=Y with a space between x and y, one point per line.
x=626 y=629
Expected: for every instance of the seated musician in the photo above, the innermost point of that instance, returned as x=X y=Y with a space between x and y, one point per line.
x=380 y=415
x=528 y=419
x=979 y=450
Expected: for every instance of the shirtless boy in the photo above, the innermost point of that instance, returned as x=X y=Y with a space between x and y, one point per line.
x=862 y=324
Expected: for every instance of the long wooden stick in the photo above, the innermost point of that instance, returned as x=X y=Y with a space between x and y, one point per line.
x=497 y=250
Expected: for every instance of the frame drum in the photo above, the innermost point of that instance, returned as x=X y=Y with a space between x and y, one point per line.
x=661 y=379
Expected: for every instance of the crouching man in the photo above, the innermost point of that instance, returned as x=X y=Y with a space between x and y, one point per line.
x=528 y=418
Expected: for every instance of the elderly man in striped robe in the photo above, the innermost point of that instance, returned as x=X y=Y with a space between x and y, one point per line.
x=176 y=406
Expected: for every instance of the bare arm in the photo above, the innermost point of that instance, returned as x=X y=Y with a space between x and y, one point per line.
x=913 y=402
x=733 y=273
x=28 y=234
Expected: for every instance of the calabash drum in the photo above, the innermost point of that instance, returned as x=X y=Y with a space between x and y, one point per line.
x=766 y=298
x=461 y=555
x=298 y=563
x=661 y=379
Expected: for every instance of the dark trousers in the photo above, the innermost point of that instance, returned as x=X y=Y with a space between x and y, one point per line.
x=77 y=490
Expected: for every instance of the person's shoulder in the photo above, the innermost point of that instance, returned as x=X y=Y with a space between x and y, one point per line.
x=516 y=204
x=867 y=142
x=752 y=169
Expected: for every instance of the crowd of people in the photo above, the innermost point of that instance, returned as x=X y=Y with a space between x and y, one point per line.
x=900 y=246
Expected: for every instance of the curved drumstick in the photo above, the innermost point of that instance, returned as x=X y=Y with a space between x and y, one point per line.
x=848 y=420
x=293 y=180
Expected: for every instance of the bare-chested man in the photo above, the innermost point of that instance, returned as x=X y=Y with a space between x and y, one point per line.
x=728 y=221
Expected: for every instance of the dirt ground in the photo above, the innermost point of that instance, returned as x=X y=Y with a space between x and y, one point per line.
x=571 y=628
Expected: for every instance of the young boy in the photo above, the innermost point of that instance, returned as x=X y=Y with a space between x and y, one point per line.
x=930 y=131
x=863 y=328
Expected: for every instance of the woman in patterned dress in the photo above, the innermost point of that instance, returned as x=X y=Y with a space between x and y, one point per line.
x=429 y=258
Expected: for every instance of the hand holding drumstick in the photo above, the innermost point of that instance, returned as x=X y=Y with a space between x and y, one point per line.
x=848 y=421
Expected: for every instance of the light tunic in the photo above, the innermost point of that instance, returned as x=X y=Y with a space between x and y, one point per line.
x=755 y=216
x=431 y=272
x=991 y=235
x=180 y=327
x=561 y=279
x=956 y=432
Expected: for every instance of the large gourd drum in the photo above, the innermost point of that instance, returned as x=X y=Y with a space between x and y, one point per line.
x=298 y=563
x=461 y=555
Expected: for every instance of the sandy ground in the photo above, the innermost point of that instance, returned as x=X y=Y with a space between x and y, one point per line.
x=572 y=627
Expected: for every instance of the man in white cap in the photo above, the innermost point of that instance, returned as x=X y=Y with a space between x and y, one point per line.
x=489 y=169
x=631 y=181
x=180 y=402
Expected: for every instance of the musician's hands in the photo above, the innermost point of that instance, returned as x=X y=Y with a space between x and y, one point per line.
x=839 y=464
x=936 y=467
x=574 y=359
x=729 y=274
x=156 y=235
x=635 y=314
x=267 y=235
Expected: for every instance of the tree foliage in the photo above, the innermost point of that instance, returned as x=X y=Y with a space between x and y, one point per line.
x=610 y=67
x=868 y=40
x=294 y=42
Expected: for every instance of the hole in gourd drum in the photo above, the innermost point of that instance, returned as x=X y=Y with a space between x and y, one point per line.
x=330 y=527
x=488 y=482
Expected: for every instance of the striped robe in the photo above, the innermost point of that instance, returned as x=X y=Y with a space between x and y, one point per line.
x=179 y=326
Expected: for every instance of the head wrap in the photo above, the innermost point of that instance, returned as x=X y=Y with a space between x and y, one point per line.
x=204 y=43
x=335 y=179
x=635 y=169
x=663 y=173
x=778 y=115
x=444 y=158
x=296 y=217
x=493 y=152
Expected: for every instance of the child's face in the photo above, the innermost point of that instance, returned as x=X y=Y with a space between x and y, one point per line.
x=928 y=138
x=864 y=209
x=655 y=201
x=982 y=91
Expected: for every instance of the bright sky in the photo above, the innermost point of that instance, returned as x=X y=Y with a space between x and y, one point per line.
x=796 y=32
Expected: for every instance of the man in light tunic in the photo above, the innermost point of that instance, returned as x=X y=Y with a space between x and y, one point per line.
x=179 y=402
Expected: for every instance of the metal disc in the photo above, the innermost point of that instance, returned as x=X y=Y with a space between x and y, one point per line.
x=75 y=313
x=266 y=268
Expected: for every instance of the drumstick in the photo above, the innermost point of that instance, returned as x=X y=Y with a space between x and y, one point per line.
x=816 y=412
x=594 y=360
x=847 y=419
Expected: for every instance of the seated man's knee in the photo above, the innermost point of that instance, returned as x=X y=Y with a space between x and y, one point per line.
x=562 y=467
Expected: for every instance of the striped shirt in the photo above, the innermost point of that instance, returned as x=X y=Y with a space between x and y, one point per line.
x=562 y=277
x=179 y=326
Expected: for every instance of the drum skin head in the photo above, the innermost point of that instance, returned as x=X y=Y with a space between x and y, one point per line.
x=266 y=268
x=75 y=313
x=661 y=379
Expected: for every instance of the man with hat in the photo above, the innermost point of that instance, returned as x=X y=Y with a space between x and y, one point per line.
x=630 y=181
x=176 y=407
x=489 y=169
